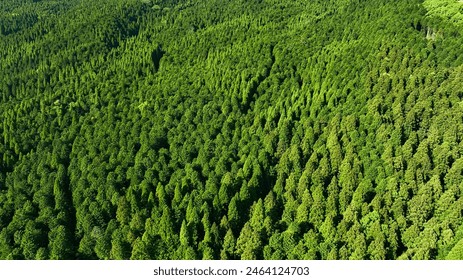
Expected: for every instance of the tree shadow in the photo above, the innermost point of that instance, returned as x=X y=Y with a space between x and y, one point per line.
x=156 y=56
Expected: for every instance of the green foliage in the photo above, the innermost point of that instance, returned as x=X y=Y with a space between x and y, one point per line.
x=231 y=129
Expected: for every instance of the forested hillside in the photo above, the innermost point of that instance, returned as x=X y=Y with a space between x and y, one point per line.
x=231 y=129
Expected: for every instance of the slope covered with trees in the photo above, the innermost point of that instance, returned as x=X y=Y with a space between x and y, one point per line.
x=229 y=129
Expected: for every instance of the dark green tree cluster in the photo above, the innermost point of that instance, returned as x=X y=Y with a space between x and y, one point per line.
x=229 y=129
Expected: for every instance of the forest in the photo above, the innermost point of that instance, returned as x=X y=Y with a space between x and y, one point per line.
x=231 y=129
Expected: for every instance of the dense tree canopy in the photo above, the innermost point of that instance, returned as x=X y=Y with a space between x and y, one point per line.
x=229 y=129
